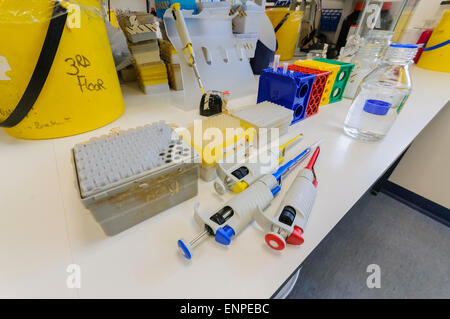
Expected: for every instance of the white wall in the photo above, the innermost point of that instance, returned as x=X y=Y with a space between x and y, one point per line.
x=333 y=4
x=425 y=12
x=425 y=168
x=133 y=5
x=426 y=9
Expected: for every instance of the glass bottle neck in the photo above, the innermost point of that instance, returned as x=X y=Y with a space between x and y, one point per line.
x=400 y=56
x=397 y=61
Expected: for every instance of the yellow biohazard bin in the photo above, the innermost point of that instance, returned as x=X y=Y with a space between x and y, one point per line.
x=286 y=24
x=436 y=54
x=57 y=74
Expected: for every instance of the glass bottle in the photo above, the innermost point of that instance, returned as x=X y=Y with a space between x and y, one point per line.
x=381 y=95
x=367 y=58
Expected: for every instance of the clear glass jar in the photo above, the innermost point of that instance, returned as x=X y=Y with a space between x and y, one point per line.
x=381 y=95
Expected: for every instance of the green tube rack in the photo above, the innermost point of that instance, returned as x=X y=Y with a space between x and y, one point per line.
x=341 y=78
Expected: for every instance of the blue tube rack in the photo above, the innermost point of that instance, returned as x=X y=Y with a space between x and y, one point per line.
x=290 y=89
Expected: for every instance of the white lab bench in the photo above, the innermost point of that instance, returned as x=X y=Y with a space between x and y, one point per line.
x=44 y=227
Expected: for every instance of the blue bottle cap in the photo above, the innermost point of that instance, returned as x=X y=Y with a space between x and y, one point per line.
x=224 y=234
x=377 y=107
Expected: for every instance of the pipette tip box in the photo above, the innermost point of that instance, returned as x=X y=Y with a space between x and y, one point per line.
x=265 y=115
x=126 y=177
x=235 y=137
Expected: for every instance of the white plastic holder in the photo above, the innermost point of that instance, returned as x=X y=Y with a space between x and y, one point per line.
x=221 y=61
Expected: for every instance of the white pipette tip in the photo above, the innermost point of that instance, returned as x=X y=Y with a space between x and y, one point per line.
x=316 y=144
x=276 y=62
x=285 y=67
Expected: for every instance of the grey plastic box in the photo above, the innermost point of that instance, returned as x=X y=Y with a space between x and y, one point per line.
x=128 y=177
